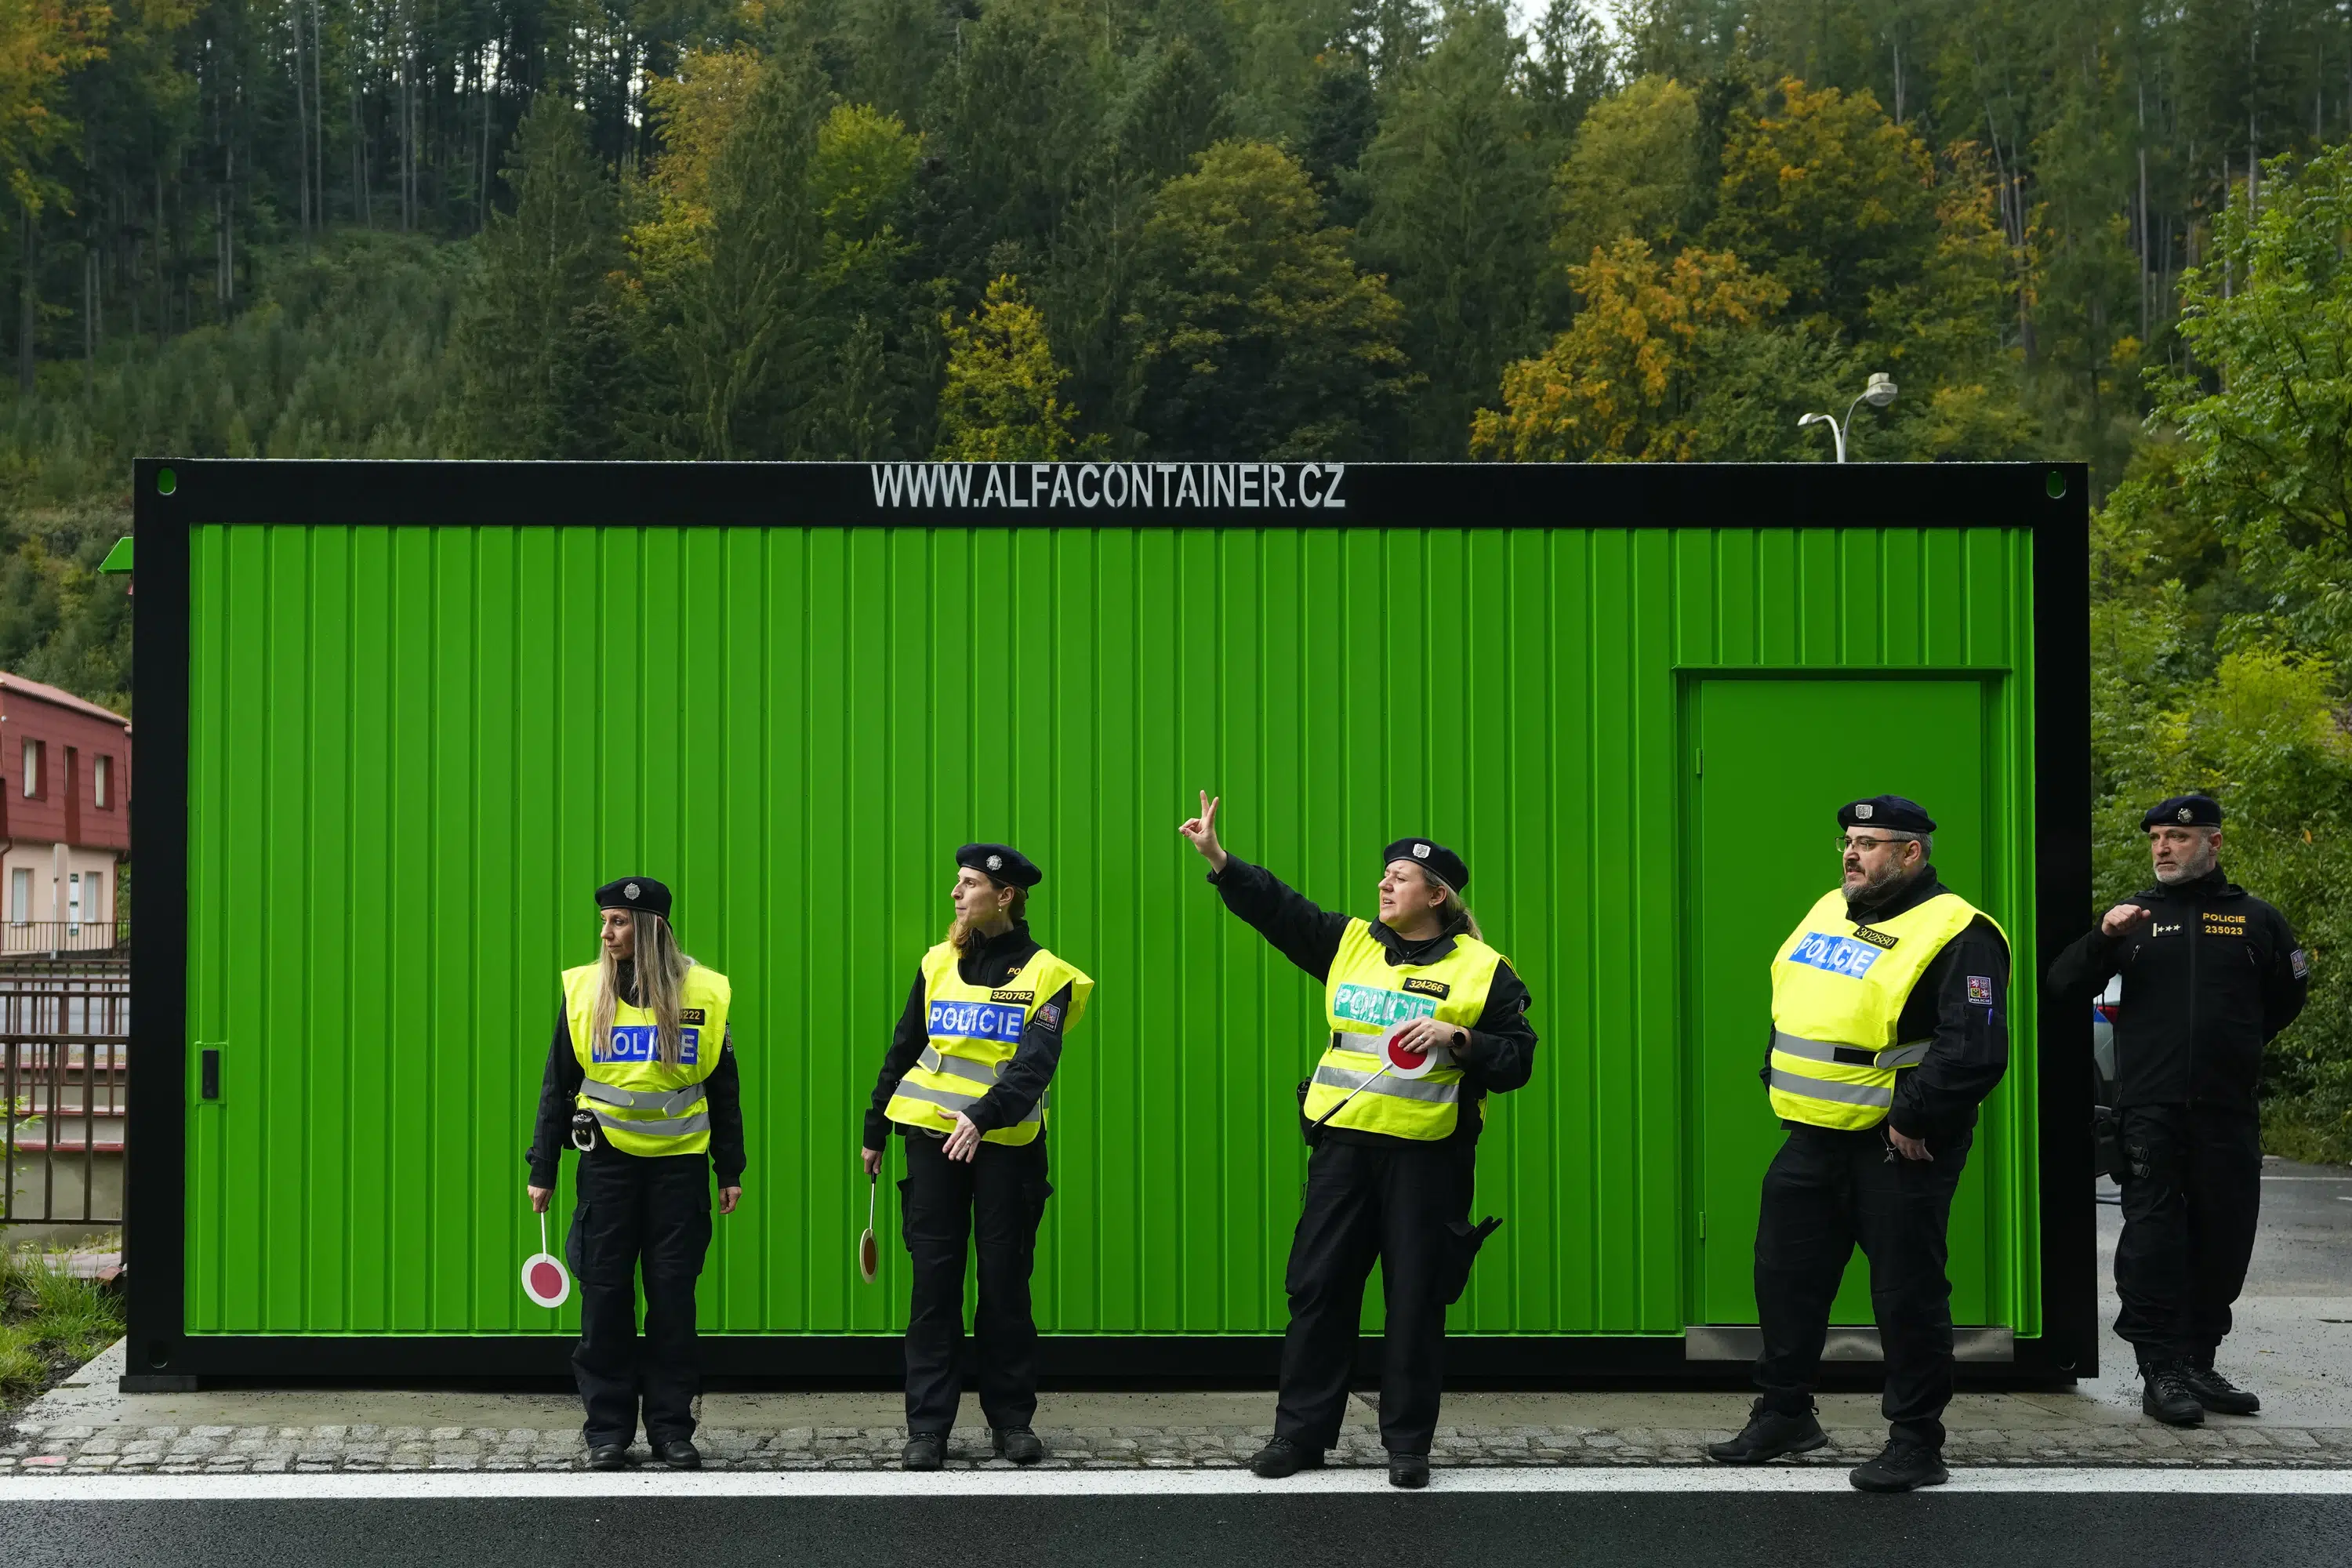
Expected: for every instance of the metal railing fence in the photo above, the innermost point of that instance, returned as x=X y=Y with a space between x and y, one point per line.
x=65 y=1042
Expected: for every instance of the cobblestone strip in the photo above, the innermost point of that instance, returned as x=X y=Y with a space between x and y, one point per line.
x=171 y=1450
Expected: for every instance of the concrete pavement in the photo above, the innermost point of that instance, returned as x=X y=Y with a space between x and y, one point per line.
x=2293 y=1344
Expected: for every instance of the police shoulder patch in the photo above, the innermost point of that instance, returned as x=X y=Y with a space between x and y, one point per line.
x=2299 y=963
x=1980 y=990
x=1050 y=1016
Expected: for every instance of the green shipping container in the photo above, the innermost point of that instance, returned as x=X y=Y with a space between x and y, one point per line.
x=398 y=721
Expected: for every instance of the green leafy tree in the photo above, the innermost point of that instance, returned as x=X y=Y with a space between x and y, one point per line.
x=1827 y=195
x=1458 y=220
x=1635 y=169
x=1001 y=402
x=2265 y=419
x=1254 y=334
x=539 y=348
x=1627 y=379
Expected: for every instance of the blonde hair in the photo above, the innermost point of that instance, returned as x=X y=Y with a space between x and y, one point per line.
x=1450 y=908
x=661 y=979
x=963 y=933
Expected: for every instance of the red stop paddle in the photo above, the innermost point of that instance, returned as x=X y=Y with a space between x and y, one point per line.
x=543 y=1277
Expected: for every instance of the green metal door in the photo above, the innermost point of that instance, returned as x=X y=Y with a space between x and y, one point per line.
x=1773 y=759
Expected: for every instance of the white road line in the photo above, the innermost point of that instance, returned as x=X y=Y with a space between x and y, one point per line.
x=443 y=1487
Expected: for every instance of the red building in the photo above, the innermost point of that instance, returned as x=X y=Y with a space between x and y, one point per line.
x=65 y=816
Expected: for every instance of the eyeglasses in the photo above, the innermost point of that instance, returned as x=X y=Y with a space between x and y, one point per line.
x=1859 y=845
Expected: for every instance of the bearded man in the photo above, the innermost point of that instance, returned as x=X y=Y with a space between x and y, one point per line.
x=2209 y=973
x=1890 y=1025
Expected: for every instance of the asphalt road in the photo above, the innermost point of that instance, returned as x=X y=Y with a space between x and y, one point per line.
x=2128 y=1531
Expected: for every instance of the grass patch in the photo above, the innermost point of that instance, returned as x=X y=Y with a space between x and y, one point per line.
x=50 y=1322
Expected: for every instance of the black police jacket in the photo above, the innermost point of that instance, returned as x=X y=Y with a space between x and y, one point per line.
x=2206 y=983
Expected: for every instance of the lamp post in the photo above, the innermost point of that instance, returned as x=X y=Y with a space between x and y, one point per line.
x=1879 y=395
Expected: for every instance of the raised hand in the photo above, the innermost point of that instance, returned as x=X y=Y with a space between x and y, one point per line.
x=1200 y=832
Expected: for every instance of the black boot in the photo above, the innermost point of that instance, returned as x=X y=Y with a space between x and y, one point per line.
x=678 y=1454
x=2215 y=1392
x=924 y=1451
x=1769 y=1435
x=1283 y=1458
x=2167 y=1396
x=609 y=1456
x=1018 y=1444
x=1902 y=1466
x=1410 y=1471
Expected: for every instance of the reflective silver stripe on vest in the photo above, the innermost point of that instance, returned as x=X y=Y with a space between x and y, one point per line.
x=1909 y=1055
x=1345 y=1079
x=949 y=1099
x=685 y=1099
x=1879 y=1095
x=679 y=1127
x=931 y=1060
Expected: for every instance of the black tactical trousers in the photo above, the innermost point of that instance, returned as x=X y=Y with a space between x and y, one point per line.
x=993 y=1204
x=2192 y=1186
x=653 y=1212
x=1824 y=1191
x=1392 y=1203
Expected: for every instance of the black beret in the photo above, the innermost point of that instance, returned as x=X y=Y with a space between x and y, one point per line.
x=1891 y=812
x=634 y=893
x=2183 y=811
x=1433 y=857
x=1001 y=864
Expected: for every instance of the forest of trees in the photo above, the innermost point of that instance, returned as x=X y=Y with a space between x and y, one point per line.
x=1606 y=229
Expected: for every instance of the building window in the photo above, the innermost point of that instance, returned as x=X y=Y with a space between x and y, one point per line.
x=100 y=769
x=93 y=890
x=32 y=770
x=20 y=895
x=73 y=903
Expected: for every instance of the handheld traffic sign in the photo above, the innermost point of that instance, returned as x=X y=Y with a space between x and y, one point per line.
x=1402 y=1063
x=869 y=1258
x=544 y=1279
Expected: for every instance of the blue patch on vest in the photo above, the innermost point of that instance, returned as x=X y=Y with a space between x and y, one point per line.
x=1838 y=954
x=642 y=1043
x=1380 y=1009
x=999 y=1021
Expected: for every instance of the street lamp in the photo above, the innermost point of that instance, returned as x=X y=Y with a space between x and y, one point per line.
x=1879 y=395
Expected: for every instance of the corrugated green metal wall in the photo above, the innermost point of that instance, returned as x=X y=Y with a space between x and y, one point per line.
x=414 y=752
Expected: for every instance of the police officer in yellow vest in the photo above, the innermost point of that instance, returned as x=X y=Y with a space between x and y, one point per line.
x=1890 y=1025
x=640 y=1079
x=1390 y=1174
x=965 y=1081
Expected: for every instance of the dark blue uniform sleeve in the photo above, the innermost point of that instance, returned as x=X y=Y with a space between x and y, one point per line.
x=724 y=1093
x=1501 y=1053
x=1967 y=987
x=558 y=1088
x=2287 y=982
x=906 y=1044
x=1024 y=1079
x=1301 y=931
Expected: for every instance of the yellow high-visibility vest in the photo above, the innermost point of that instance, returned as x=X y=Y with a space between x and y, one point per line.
x=1838 y=990
x=1365 y=997
x=973 y=1031
x=644 y=1106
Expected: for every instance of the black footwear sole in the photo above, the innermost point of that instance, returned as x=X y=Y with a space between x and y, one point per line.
x=1314 y=1464
x=1936 y=1479
x=1765 y=1456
